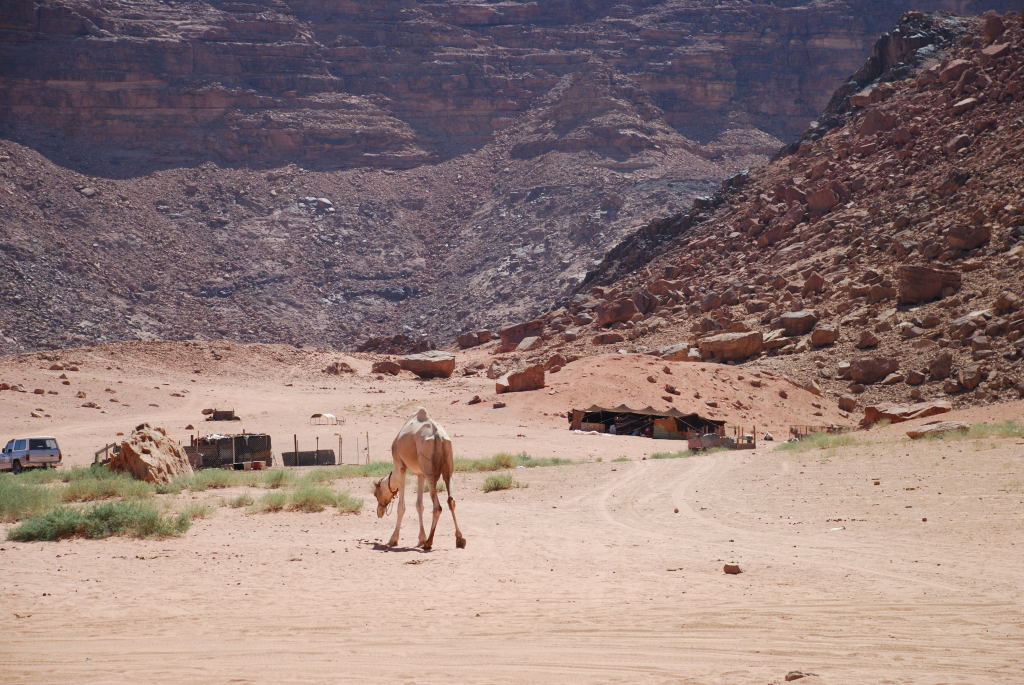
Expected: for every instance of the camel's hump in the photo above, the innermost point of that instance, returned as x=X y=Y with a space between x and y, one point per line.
x=421 y=414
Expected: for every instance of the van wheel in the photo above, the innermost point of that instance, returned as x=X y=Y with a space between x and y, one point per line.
x=16 y=466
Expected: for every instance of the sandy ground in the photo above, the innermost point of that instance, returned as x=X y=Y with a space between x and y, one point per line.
x=596 y=572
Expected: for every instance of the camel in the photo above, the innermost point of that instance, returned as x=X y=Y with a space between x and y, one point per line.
x=423 y=447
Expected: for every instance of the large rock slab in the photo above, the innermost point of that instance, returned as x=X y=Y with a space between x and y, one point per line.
x=433 y=364
x=530 y=378
x=919 y=283
x=514 y=334
x=615 y=312
x=730 y=347
x=937 y=428
x=898 y=413
x=148 y=454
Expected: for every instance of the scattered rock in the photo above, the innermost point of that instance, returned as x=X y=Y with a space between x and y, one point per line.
x=898 y=413
x=731 y=346
x=941 y=366
x=475 y=400
x=867 y=339
x=798 y=323
x=338 y=368
x=918 y=284
x=732 y=569
x=387 y=366
x=531 y=378
x=608 y=338
x=824 y=335
x=870 y=370
x=847 y=402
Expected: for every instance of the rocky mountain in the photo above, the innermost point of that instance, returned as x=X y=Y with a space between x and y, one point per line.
x=303 y=170
x=879 y=258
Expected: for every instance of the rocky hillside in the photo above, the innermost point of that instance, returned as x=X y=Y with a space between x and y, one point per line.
x=303 y=170
x=879 y=258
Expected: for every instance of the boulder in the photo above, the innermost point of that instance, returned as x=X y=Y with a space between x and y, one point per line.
x=433 y=364
x=871 y=369
x=529 y=343
x=821 y=201
x=971 y=376
x=727 y=347
x=918 y=283
x=495 y=371
x=148 y=454
x=867 y=339
x=618 y=311
x=607 y=338
x=387 y=366
x=473 y=338
x=847 y=402
x=937 y=428
x=513 y=335
x=968 y=237
x=824 y=334
x=798 y=323
x=682 y=352
x=898 y=413
x=338 y=368
x=941 y=366
x=530 y=378
x=815 y=283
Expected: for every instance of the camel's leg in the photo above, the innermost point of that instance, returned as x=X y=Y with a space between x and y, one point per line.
x=401 y=508
x=460 y=541
x=419 y=506
x=432 y=482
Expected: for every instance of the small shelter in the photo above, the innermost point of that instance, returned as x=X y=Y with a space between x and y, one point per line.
x=212 y=451
x=325 y=419
x=668 y=424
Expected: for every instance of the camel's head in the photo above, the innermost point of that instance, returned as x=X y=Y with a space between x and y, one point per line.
x=382 y=491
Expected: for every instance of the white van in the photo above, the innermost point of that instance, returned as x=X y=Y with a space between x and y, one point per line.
x=26 y=453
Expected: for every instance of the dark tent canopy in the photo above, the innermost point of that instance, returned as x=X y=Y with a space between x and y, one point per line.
x=623 y=420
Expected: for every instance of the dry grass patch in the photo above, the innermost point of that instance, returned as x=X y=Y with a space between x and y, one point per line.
x=502 y=482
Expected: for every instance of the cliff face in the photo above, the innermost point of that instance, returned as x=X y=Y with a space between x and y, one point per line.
x=397 y=84
x=478 y=157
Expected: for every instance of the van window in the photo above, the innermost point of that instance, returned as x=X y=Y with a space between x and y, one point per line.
x=19 y=444
x=42 y=444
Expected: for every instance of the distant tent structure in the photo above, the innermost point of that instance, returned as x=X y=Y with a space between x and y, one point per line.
x=668 y=424
x=325 y=419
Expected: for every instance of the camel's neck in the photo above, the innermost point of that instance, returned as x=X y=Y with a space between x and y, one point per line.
x=392 y=490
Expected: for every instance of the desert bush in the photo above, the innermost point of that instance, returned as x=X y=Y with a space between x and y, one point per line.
x=681 y=454
x=820 y=441
x=243 y=500
x=19 y=500
x=272 y=501
x=1005 y=429
x=130 y=517
x=501 y=482
x=40 y=476
x=312 y=498
x=504 y=460
x=347 y=504
x=208 y=479
x=98 y=483
x=197 y=510
x=620 y=459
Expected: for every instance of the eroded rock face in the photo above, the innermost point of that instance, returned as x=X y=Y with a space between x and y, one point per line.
x=898 y=413
x=926 y=283
x=148 y=454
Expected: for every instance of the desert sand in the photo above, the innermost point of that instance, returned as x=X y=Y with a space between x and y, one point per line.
x=600 y=571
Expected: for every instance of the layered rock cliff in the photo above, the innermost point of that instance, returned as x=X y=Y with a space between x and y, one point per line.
x=304 y=170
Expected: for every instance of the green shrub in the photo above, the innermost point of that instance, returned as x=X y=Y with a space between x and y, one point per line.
x=502 y=482
x=277 y=478
x=504 y=460
x=197 y=510
x=1005 y=429
x=272 y=501
x=105 y=485
x=673 y=455
x=311 y=498
x=620 y=459
x=208 y=479
x=243 y=500
x=131 y=517
x=174 y=487
x=41 y=476
x=347 y=504
x=19 y=500
x=820 y=441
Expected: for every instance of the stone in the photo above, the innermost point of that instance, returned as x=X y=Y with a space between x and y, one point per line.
x=387 y=366
x=495 y=370
x=898 y=413
x=432 y=364
x=971 y=376
x=824 y=335
x=968 y=237
x=530 y=378
x=556 y=361
x=514 y=334
x=1007 y=302
x=473 y=338
x=814 y=284
x=867 y=339
x=732 y=569
x=965 y=105
x=726 y=347
x=474 y=400
x=847 y=402
x=941 y=366
x=529 y=343
x=821 y=201
x=918 y=283
x=608 y=338
x=956 y=143
x=148 y=454
x=798 y=323
x=915 y=378
x=870 y=370
x=619 y=311
x=994 y=27
x=937 y=428
x=952 y=71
